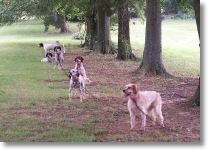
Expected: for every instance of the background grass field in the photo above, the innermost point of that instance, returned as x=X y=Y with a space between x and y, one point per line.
x=22 y=75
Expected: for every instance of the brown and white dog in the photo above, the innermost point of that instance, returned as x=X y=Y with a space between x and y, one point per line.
x=149 y=102
x=80 y=67
x=76 y=80
x=59 y=56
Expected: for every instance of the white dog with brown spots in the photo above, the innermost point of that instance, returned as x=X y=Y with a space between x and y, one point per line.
x=80 y=67
x=150 y=102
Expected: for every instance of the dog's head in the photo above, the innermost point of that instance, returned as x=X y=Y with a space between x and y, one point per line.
x=40 y=45
x=74 y=74
x=49 y=55
x=79 y=60
x=57 y=49
x=130 y=90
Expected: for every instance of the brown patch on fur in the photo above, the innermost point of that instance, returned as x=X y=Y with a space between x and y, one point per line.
x=152 y=105
x=80 y=58
x=135 y=88
x=136 y=92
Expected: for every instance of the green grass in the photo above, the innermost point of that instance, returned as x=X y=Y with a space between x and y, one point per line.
x=23 y=77
x=180 y=45
x=23 y=84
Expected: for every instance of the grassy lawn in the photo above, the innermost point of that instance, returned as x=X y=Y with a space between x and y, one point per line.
x=22 y=85
x=24 y=90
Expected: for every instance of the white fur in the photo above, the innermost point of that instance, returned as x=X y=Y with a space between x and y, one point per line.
x=50 y=46
x=44 y=59
x=82 y=71
x=76 y=80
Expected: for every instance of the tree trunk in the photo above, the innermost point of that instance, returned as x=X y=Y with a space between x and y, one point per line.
x=124 y=46
x=92 y=25
x=87 y=28
x=63 y=25
x=103 y=29
x=152 y=62
x=197 y=14
x=196 y=97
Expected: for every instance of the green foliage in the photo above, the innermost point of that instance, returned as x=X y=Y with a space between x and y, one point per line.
x=172 y=6
x=14 y=10
x=53 y=20
x=138 y=7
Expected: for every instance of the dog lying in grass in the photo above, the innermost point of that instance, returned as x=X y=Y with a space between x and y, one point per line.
x=48 y=58
x=149 y=102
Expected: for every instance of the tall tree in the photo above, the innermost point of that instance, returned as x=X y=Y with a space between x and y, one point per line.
x=124 y=46
x=63 y=24
x=152 y=62
x=103 y=27
x=196 y=97
x=91 y=25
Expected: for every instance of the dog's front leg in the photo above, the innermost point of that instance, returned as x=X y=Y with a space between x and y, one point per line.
x=132 y=119
x=143 y=116
x=81 y=89
x=70 y=88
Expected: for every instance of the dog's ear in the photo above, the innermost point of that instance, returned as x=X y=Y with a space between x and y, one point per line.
x=40 y=44
x=79 y=57
x=75 y=59
x=55 y=49
x=136 y=92
x=82 y=59
x=135 y=88
x=69 y=75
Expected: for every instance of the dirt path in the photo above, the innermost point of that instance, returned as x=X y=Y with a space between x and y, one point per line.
x=105 y=113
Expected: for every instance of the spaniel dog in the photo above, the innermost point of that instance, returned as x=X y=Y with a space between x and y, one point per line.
x=76 y=80
x=48 y=58
x=59 y=56
x=80 y=67
x=149 y=102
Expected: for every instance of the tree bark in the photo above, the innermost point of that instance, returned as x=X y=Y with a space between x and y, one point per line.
x=124 y=46
x=92 y=25
x=63 y=25
x=197 y=14
x=103 y=28
x=196 y=97
x=152 y=62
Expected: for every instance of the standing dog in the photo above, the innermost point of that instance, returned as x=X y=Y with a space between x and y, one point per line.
x=149 y=102
x=50 y=46
x=76 y=79
x=80 y=67
x=59 y=56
